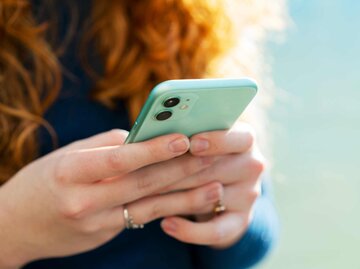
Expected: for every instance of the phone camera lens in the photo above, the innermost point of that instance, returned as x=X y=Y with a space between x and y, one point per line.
x=164 y=115
x=171 y=102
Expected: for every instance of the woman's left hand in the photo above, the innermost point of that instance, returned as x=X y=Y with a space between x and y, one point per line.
x=238 y=165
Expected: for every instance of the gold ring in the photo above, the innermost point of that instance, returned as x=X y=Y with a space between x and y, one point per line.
x=129 y=223
x=219 y=208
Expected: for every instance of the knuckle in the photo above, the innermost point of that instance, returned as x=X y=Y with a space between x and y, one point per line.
x=59 y=171
x=205 y=176
x=145 y=184
x=189 y=166
x=156 y=211
x=185 y=169
x=257 y=164
x=115 y=160
x=198 y=200
x=74 y=208
x=202 y=179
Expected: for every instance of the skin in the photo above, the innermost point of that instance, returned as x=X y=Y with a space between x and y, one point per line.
x=72 y=200
x=238 y=165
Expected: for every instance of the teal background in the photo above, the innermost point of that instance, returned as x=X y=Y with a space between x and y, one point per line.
x=316 y=130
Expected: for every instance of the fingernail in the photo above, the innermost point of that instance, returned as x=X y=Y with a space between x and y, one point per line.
x=179 y=145
x=169 y=226
x=213 y=194
x=199 y=145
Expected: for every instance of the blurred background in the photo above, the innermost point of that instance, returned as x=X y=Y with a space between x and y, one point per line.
x=316 y=133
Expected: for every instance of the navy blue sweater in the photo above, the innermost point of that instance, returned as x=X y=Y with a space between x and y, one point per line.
x=75 y=116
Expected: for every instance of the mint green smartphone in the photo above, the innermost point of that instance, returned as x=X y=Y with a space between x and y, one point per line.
x=191 y=106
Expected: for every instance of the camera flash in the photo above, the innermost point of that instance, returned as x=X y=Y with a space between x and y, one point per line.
x=183 y=107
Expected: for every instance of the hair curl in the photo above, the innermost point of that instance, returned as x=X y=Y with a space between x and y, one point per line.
x=156 y=40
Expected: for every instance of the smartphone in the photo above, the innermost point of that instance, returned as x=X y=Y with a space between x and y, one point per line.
x=191 y=106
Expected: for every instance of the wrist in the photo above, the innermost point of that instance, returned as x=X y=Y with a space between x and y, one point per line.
x=12 y=254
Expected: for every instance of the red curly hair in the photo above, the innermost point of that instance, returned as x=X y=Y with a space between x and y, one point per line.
x=155 y=40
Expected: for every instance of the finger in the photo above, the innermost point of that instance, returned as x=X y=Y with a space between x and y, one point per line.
x=110 y=138
x=227 y=170
x=179 y=203
x=146 y=181
x=107 y=222
x=151 y=208
x=238 y=139
x=221 y=229
x=94 y=164
x=238 y=197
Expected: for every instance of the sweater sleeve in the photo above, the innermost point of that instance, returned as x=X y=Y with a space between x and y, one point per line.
x=254 y=244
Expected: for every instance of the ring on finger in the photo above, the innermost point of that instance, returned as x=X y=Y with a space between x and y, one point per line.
x=219 y=208
x=129 y=222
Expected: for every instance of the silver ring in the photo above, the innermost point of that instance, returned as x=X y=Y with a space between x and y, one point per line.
x=129 y=223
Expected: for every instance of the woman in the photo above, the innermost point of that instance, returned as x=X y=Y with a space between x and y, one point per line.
x=70 y=72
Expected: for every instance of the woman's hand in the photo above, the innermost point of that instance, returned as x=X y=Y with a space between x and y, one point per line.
x=72 y=200
x=238 y=165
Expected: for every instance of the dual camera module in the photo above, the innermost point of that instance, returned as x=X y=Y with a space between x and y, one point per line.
x=166 y=114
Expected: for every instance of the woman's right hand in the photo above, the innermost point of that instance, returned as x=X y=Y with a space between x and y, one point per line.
x=72 y=200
